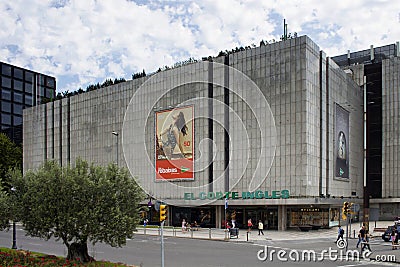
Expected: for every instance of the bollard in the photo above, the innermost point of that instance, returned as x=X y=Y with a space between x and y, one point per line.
x=159 y=231
x=247 y=236
x=209 y=233
x=191 y=233
x=145 y=230
x=354 y=233
x=173 y=231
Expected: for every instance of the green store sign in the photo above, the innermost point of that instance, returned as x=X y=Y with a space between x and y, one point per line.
x=282 y=194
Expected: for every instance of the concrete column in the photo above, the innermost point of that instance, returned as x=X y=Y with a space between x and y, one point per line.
x=219 y=214
x=282 y=217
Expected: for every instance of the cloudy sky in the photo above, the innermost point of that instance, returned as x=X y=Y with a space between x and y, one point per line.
x=82 y=42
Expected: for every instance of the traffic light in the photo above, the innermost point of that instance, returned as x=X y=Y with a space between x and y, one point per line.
x=346 y=208
x=163 y=212
x=350 y=207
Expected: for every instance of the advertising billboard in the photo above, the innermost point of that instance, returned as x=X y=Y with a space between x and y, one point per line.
x=342 y=142
x=174 y=144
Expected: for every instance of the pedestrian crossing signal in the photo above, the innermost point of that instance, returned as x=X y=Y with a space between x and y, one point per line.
x=163 y=212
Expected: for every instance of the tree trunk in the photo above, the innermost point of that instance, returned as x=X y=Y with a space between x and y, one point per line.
x=79 y=251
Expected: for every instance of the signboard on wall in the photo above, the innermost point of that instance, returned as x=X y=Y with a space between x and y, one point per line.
x=342 y=142
x=174 y=144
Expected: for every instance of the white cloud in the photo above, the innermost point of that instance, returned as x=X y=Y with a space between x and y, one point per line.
x=83 y=42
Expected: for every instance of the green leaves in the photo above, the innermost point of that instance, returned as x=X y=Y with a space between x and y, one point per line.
x=81 y=203
x=10 y=157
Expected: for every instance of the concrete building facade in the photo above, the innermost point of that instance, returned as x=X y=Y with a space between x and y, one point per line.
x=277 y=136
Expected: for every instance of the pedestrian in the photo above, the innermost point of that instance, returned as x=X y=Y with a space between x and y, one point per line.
x=393 y=239
x=145 y=222
x=260 y=227
x=361 y=236
x=183 y=225
x=340 y=234
x=249 y=225
x=366 y=243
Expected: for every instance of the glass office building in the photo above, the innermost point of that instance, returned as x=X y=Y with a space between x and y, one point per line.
x=20 y=89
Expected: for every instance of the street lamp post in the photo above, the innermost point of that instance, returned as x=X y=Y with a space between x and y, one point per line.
x=14 y=241
x=116 y=134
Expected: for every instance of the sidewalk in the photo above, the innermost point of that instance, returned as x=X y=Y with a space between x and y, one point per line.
x=274 y=235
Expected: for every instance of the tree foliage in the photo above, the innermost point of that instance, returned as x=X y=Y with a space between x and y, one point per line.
x=4 y=210
x=80 y=204
x=10 y=157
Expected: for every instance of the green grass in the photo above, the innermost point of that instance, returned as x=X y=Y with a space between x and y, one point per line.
x=20 y=258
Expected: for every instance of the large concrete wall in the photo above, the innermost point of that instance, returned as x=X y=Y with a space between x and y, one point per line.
x=301 y=86
x=391 y=128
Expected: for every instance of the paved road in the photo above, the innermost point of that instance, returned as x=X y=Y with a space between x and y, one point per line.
x=144 y=250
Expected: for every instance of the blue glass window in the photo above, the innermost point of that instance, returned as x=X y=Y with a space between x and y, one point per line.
x=18 y=97
x=5 y=106
x=5 y=94
x=18 y=85
x=28 y=100
x=18 y=109
x=6 y=119
x=29 y=77
x=6 y=70
x=6 y=82
x=17 y=120
x=18 y=73
x=29 y=88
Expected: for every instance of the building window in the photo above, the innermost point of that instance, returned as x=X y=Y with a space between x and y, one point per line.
x=18 y=97
x=17 y=120
x=29 y=77
x=18 y=85
x=41 y=91
x=6 y=119
x=18 y=109
x=18 y=74
x=49 y=93
x=6 y=106
x=6 y=70
x=42 y=80
x=50 y=82
x=6 y=82
x=5 y=94
x=28 y=88
x=28 y=100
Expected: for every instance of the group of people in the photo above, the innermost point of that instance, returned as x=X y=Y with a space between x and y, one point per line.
x=187 y=226
x=363 y=237
x=260 y=226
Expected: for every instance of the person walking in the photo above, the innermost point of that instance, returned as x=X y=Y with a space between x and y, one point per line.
x=393 y=239
x=366 y=243
x=183 y=226
x=249 y=225
x=340 y=234
x=361 y=236
x=260 y=227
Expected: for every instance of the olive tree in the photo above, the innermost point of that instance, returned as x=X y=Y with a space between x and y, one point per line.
x=80 y=204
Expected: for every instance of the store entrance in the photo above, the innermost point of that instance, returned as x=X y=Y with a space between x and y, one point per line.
x=268 y=216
